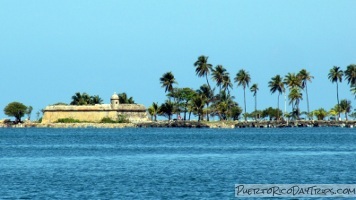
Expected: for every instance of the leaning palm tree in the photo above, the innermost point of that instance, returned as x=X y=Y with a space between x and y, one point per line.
x=226 y=83
x=276 y=85
x=254 y=88
x=243 y=79
x=350 y=75
x=335 y=75
x=218 y=75
x=167 y=80
x=203 y=68
x=305 y=76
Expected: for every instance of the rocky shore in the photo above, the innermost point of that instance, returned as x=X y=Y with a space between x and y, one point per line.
x=188 y=124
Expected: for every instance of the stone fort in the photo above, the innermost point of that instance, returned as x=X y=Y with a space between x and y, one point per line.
x=95 y=113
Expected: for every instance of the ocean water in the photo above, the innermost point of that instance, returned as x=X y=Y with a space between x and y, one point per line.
x=168 y=163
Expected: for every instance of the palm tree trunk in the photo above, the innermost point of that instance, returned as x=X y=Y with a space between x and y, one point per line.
x=207 y=112
x=245 y=103
x=256 y=106
x=206 y=76
x=338 y=103
x=278 y=107
x=306 y=91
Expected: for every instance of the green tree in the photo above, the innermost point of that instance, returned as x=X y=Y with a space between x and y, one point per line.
x=167 y=80
x=226 y=84
x=203 y=68
x=292 y=81
x=166 y=109
x=243 y=79
x=276 y=85
x=305 y=76
x=350 y=75
x=254 y=88
x=198 y=104
x=345 y=107
x=124 y=99
x=320 y=114
x=295 y=96
x=271 y=113
x=223 y=104
x=183 y=96
x=153 y=111
x=15 y=109
x=335 y=75
x=208 y=96
x=218 y=75
x=95 y=100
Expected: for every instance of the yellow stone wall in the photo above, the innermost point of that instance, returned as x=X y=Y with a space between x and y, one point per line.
x=87 y=116
x=94 y=113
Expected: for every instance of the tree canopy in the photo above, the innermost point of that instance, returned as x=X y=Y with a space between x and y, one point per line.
x=15 y=109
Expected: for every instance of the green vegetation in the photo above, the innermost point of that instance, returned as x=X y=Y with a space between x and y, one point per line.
x=80 y=99
x=124 y=99
x=122 y=119
x=68 y=120
x=205 y=102
x=17 y=110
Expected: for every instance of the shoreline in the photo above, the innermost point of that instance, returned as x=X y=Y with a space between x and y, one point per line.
x=191 y=124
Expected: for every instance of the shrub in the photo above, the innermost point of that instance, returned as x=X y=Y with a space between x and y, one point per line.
x=67 y=120
x=122 y=119
x=107 y=120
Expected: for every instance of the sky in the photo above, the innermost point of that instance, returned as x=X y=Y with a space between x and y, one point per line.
x=50 y=50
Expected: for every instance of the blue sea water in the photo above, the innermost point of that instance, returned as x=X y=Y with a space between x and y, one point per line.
x=168 y=163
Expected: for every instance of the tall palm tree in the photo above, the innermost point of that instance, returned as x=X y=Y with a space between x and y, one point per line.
x=218 y=75
x=276 y=85
x=203 y=68
x=305 y=76
x=167 y=80
x=96 y=100
x=292 y=80
x=335 y=75
x=254 y=88
x=350 y=75
x=243 y=79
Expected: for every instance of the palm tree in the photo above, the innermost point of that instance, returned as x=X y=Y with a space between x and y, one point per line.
x=335 y=75
x=254 y=88
x=95 y=100
x=166 y=109
x=276 y=85
x=305 y=76
x=353 y=90
x=203 y=68
x=292 y=81
x=218 y=75
x=208 y=95
x=226 y=84
x=153 y=110
x=345 y=106
x=198 y=105
x=243 y=78
x=350 y=75
x=167 y=80
x=295 y=96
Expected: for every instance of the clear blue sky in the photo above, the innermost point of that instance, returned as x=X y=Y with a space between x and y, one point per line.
x=51 y=49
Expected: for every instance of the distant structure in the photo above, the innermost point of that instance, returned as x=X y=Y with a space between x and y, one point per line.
x=95 y=113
